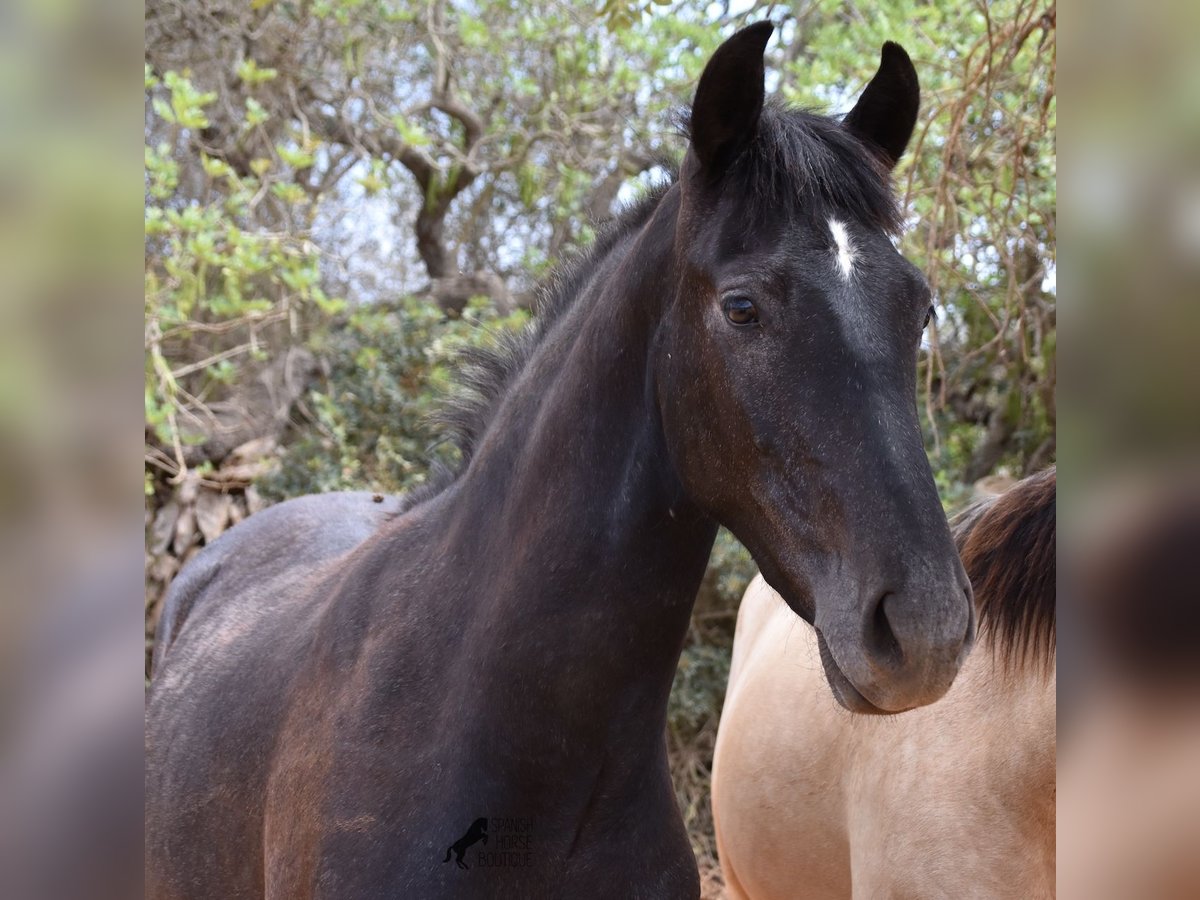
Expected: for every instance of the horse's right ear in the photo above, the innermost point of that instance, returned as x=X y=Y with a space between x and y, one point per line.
x=729 y=98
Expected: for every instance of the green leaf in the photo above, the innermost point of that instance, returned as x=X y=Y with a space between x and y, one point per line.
x=295 y=157
x=256 y=113
x=411 y=133
x=163 y=110
x=288 y=191
x=249 y=72
x=331 y=306
x=215 y=168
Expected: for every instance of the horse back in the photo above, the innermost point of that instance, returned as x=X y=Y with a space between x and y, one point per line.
x=280 y=542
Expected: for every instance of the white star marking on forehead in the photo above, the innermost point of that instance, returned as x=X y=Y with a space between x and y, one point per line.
x=845 y=248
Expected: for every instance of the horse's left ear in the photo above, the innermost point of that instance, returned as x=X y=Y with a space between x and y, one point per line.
x=729 y=98
x=886 y=113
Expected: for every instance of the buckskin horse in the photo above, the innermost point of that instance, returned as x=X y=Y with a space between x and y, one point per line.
x=341 y=687
x=953 y=800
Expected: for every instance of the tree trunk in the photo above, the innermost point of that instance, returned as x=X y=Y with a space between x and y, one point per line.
x=431 y=246
x=991 y=449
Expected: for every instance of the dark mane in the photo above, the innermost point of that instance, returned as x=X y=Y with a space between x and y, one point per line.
x=799 y=161
x=484 y=374
x=1008 y=547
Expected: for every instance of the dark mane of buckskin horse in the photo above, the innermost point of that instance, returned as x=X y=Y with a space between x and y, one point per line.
x=798 y=157
x=343 y=683
x=1008 y=546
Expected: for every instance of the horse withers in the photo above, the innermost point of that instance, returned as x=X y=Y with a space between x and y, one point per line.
x=953 y=800
x=341 y=687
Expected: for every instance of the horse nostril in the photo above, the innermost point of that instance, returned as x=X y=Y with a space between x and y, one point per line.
x=881 y=636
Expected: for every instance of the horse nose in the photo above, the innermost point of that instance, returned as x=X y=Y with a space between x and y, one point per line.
x=915 y=643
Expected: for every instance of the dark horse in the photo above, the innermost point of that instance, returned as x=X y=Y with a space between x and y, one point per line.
x=340 y=684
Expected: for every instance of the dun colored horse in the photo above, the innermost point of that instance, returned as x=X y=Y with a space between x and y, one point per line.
x=342 y=687
x=952 y=800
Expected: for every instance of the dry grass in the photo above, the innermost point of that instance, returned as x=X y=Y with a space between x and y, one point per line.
x=712 y=885
x=691 y=772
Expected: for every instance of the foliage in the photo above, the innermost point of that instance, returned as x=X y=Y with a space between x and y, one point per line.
x=515 y=129
x=214 y=280
x=387 y=371
x=732 y=569
x=699 y=690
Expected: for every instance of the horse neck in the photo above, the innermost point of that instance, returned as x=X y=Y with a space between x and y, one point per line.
x=570 y=511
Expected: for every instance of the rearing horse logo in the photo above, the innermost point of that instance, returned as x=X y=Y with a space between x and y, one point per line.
x=477 y=832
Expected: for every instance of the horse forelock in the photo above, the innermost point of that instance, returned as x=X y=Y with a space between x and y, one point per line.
x=1008 y=548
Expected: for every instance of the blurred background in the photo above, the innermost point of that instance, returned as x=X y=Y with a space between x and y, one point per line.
x=339 y=194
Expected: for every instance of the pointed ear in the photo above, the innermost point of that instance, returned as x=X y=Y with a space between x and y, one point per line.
x=729 y=98
x=886 y=112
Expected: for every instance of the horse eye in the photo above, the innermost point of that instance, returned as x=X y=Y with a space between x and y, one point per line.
x=929 y=314
x=740 y=311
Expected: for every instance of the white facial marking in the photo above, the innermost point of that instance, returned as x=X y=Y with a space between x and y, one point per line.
x=845 y=249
